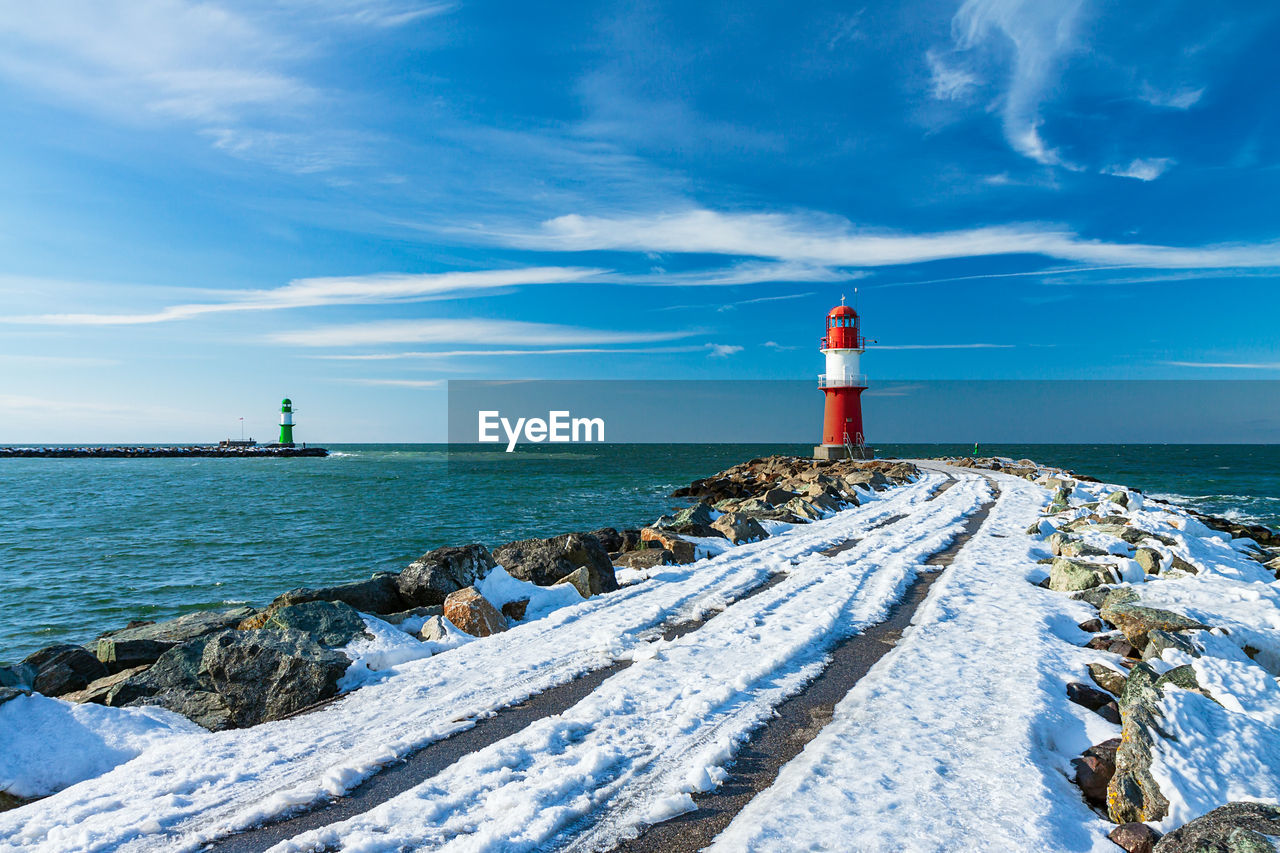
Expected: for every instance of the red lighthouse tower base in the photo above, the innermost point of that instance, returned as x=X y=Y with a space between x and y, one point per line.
x=842 y=385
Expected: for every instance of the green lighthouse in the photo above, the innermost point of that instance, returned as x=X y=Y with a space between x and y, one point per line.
x=286 y=422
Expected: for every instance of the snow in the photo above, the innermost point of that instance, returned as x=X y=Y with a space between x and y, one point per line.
x=961 y=737
x=652 y=734
x=500 y=588
x=48 y=744
x=174 y=797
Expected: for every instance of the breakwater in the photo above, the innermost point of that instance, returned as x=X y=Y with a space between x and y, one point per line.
x=153 y=452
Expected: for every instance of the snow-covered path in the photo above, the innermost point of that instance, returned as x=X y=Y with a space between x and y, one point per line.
x=632 y=751
x=194 y=788
x=959 y=739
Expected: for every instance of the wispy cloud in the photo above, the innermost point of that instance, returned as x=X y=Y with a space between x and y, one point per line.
x=1040 y=35
x=343 y=290
x=835 y=242
x=1228 y=365
x=949 y=83
x=467 y=331
x=185 y=60
x=879 y=347
x=1178 y=99
x=749 y=272
x=487 y=353
x=232 y=72
x=1144 y=169
x=731 y=306
x=57 y=361
x=723 y=350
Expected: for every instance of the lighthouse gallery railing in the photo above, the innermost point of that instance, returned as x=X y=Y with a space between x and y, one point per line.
x=848 y=380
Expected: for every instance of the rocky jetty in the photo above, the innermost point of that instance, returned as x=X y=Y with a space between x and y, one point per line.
x=147 y=451
x=1104 y=550
x=243 y=666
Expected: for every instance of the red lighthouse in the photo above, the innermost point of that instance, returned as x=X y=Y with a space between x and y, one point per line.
x=843 y=384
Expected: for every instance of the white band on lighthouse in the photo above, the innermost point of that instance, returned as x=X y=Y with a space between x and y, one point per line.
x=843 y=363
x=286 y=419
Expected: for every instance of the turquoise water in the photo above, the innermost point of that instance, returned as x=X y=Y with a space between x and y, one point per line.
x=89 y=544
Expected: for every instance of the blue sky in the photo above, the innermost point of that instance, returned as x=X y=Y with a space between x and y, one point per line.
x=207 y=206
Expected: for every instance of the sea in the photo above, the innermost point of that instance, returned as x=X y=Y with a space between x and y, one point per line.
x=87 y=545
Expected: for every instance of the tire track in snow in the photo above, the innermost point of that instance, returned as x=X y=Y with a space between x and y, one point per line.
x=800 y=718
x=634 y=748
x=193 y=790
x=437 y=756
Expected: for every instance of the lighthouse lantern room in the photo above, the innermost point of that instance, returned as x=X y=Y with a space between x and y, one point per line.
x=842 y=385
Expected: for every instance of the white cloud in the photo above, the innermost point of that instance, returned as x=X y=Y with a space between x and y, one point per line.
x=879 y=347
x=723 y=350
x=752 y=272
x=345 y=290
x=1228 y=365
x=466 y=331
x=486 y=353
x=1147 y=169
x=187 y=60
x=233 y=72
x=1178 y=99
x=836 y=242
x=949 y=83
x=1040 y=35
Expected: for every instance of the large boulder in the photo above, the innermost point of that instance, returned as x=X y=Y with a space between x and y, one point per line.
x=1149 y=559
x=379 y=594
x=699 y=514
x=329 y=623
x=1134 y=837
x=268 y=675
x=472 y=613
x=644 y=558
x=98 y=690
x=1233 y=828
x=174 y=681
x=1068 y=575
x=10 y=693
x=1133 y=794
x=778 y=497
x=1136 y=536
x=739 y=528
x=431 y=577
x=614 y=540
x=1094 y=769
x=144 y=643
x=578 y=580
x=682 y=550
x=433 y=630
x=63 y=668
x=545 y=561
x=1107 y=678
x=1158 y=641
x=1136 y=621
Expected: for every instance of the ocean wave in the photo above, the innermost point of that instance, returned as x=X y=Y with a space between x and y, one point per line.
x=1246 y=509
